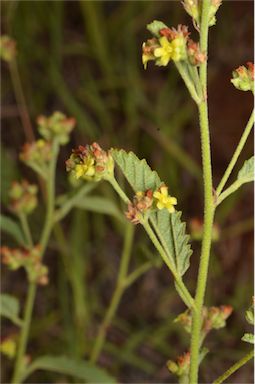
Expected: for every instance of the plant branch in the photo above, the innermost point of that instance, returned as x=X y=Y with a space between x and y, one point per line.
x=118 y=292
x=208 y=203
x=236 y=154
x=234 y=368
x=26 y=229
x=19 y=364
x=185 y=293
x=32 y=286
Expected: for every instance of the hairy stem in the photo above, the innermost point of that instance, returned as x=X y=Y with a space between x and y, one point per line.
x=208 y=204
x=234 y=367
x=118 y=292
x=236 y=154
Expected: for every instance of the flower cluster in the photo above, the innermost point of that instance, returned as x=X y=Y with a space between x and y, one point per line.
x=56 y=126
x=30 y=259
x=90 y=163
x=170 y=44
x=145 y=201
x=180 y=367
x=213 y=318
x=141 y=203
x=194 y=9
x=37 y=155
x=23 y=197
x=243 y=78
x=7 y=48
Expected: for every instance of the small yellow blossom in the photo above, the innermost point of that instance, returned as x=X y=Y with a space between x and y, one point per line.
x=86 y=169
x=8 y=347
x=164 y=53
x=164 y=200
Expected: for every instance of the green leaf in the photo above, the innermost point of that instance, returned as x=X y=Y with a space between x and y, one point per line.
x=171 y=232
x=155 y=26
x=248 y=338
x=80 y=369
x=137 y=172
x=246 y=174
x=10 y=226
x=101 y=205
x=168 y=227
x=9 y=308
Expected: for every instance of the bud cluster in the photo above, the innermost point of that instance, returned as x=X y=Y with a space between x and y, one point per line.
x=213 y=318
x=37 y=155
x=170 y=44
x=243 y=77
x=180 y=367
x=90 y=163
x=145 y=201
x=23 y=197
x=57 y=126
x=194 y=9
x=30 y=259
x=7 y=48
x=140 y=204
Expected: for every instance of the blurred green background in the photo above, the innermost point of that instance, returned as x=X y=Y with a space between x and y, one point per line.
x=84 y=59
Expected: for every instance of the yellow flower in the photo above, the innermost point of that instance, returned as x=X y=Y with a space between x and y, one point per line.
x=164 y=53
x=8 y=347
x=86 y=169
x=164 y=200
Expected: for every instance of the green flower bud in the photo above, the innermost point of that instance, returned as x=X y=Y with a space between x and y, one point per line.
x=56 y=126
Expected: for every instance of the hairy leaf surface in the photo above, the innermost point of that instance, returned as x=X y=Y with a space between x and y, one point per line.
x=137 y=172
x=171 y=232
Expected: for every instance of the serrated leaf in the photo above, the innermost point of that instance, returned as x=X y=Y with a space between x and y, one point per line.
x=9 y=308
x=171 y=232
x=246 y=174
x=248 y=338
x=100 y=204
x=137 y=172
x=80 y=369
x=10 y=226
x=155 y=26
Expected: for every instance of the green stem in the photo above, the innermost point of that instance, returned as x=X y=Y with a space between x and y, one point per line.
x=19 y=364
x=188 y=300
x=133 y=276
x=21 y=101
x=50 y=198
x=189 y=84
x=234 y=368
x=32 y=286
x=26 y=230
x=236 y=154
x=208 y=204
x=120 y=192
x=118 y=292
x=231 y=189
